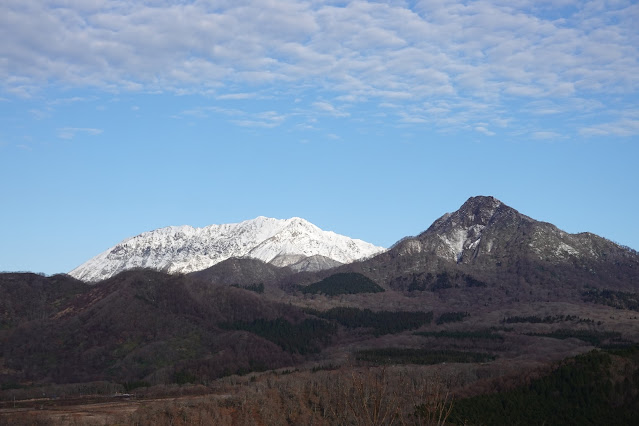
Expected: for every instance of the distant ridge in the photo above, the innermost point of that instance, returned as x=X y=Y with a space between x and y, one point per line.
x=294 y=242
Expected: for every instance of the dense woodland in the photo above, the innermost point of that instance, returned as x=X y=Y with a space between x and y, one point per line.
x=582 y=390
x=343 y=283
x=616 y=299
x=307 y=336
x=380 y=323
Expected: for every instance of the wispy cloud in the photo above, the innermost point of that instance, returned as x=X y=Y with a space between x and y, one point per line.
x=482 y=129
x=546 y=135
x=326 y=107
x=71 y=100
x=236 y=96
x=71 y=132
x=625 y=127
x=206 y=111
x=412 y=118
x=266 y=119
x=40 y=114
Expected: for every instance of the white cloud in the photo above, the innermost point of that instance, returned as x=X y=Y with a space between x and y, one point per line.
x=622 y=128
x=411 y=118
x=39 y=114
x=255 y=123
x=71 y=132
x=236 y=96
x=264 y=119
x=329 y=109
x=206 y=111
x=482 y=129
x=72 y=100
x=408 y=53
x=545 y=135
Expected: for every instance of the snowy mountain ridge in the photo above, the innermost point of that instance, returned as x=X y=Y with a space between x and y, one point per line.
x=293 y=242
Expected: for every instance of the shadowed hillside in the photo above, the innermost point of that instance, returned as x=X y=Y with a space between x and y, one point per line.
x=145 y=325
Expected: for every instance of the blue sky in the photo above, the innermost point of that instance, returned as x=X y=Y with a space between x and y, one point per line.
x=371 y=119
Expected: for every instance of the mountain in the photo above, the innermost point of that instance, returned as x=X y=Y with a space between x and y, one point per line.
x=487 y=241
x=294 y=242
x=484 y=230
x=27 y=296
x=142 y=324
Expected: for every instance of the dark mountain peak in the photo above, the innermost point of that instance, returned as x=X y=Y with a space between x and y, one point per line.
x=484 y=231
x=481 y=202
x=241 y=272
x=478 y=210
x=485 y=209
x=476 y=213
x=461 y=236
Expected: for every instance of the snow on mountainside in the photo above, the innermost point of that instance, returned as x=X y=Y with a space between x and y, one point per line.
x=485 y=230
x=183 y=249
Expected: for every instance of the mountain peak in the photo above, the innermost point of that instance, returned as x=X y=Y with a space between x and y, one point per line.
x=480 y=225
x=475 y=212
x=482 y=202
x=184 y=249
x=485 y=231
x=478 y=210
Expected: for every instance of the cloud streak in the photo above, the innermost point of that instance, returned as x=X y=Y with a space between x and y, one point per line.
x=71 y=132
x=329 y=109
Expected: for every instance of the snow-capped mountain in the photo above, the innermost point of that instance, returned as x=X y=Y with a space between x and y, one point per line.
x=291 y=242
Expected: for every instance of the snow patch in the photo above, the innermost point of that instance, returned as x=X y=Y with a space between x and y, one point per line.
x=564 y=248
x=461 y=239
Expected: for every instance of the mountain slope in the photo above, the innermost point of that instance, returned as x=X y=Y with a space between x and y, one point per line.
x=146 y=325
x=487 y=240
x=241 y=272
x=26 y=297
x=484 y=230
x=184 y=249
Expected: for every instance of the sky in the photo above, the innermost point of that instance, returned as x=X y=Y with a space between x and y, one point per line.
x=367 y=118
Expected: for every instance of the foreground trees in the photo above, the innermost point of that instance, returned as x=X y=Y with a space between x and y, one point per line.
x=370 y=397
